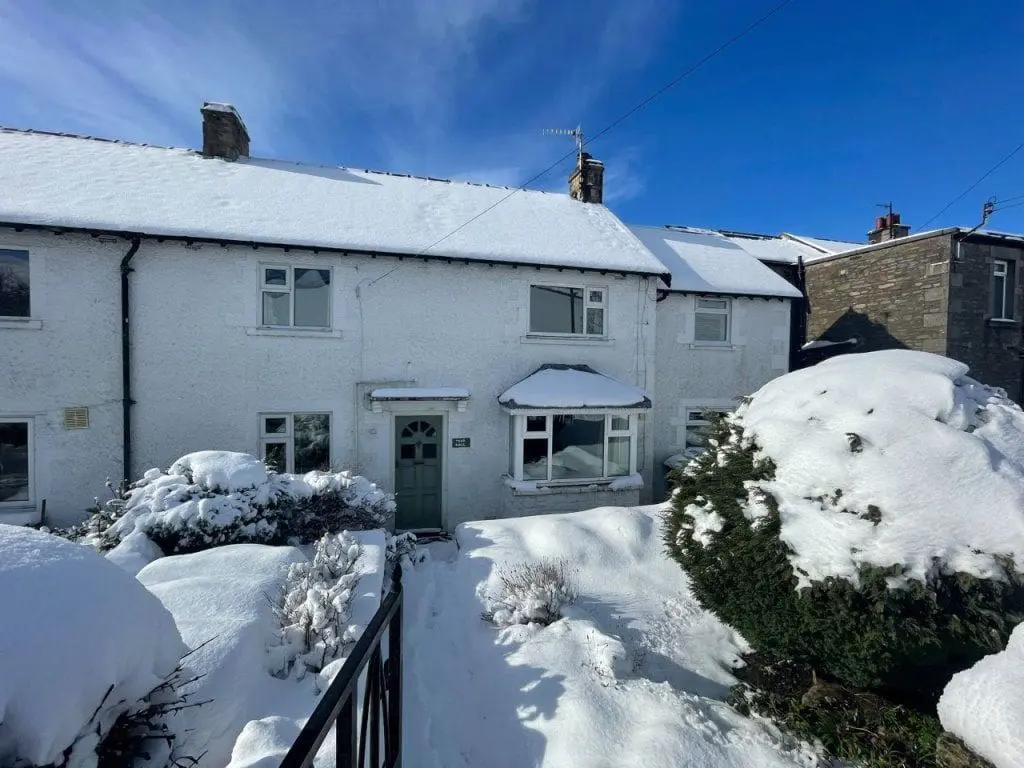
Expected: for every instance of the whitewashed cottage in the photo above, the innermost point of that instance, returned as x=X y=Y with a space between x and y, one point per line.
x=158 y=301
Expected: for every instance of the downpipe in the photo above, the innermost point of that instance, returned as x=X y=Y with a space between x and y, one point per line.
x=126 y=363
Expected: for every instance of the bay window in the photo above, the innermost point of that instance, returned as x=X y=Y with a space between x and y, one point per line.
x=573 y=447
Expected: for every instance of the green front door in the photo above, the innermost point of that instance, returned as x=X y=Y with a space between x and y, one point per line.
x=418 y=443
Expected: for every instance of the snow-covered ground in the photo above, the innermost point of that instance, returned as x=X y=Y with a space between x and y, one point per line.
x=984 y=705
x=81 y=642
x=222 y=601
x=634 y=675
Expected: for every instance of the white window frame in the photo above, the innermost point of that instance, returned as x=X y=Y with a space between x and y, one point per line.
x=289 y=288
x=518 y=434
x=22 y=318
x=588 y=304
x=726 y=311
x=31 y=500
x=1002 y=272
x=288 y=436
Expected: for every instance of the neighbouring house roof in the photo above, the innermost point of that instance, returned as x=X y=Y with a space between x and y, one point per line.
x=1016 y=240
x=822 y=244
x=75 y=182
x=705 y=261
x=572 y=387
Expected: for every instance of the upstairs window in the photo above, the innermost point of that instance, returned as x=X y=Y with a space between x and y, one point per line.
x=711 y=321
x=14 y=298
x=1003 y=284
x=568 y=310
x=565 y=447
x=296 y=442
x=298 y=297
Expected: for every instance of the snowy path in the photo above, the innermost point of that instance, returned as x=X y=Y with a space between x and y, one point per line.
x=635 y=675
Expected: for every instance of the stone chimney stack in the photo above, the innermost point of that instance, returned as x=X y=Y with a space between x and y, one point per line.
x=887 y=227
x=586 y=183
x=224 y=133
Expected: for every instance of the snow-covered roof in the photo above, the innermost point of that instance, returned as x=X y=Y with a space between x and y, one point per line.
x=705 y=261
x=420 y=393
x=572 y=387
x=76 y=182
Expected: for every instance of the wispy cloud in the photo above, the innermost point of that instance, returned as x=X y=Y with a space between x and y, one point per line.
x=452 y=87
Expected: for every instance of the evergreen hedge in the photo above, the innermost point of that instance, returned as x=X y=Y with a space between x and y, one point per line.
x=906 y=642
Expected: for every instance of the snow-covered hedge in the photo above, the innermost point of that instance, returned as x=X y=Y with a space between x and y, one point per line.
x=866 y=516
x=212 y=498
x=81 y=644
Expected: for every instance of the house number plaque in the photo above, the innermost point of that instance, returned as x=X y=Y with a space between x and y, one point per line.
x=460 y=442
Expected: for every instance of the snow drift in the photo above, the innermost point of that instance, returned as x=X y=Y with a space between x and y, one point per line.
x=984 y=705
x=81 y=641
x=909 y=434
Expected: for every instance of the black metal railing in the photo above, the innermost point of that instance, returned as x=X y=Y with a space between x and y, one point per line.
x=380 y=729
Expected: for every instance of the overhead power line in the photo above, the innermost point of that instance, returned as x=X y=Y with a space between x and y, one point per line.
x=626 y=115
x=971 y=188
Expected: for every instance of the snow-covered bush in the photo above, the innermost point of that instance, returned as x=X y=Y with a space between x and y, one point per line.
x=314 y=607
x=213 y=498
x=531 y=593
x=82 y=645
x=864 y=516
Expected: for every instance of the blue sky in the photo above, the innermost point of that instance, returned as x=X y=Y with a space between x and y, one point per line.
x=805 y=125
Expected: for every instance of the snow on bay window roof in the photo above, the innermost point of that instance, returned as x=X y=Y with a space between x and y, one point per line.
x=572 y=387
x=705 y=261
x=81 y=183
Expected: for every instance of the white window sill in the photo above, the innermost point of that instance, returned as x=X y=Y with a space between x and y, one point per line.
x=306 y=333
x=19 y=324
x=597 y=341
x=544 y=488
x=1003 y=321
x=721 y=347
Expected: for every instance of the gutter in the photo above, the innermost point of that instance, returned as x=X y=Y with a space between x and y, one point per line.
x=286 y=247
x=126 y=367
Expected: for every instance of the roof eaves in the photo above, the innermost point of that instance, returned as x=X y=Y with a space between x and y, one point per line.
x=224 y=242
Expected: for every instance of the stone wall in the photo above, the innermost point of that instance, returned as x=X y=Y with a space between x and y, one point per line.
x=990 y=347
x=894 y=297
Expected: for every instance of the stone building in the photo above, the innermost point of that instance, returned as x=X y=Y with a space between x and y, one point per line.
x=953 y=291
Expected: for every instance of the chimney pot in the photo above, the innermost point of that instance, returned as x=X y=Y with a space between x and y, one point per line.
x=224 y=133
x=586 y=183
x=888 y=227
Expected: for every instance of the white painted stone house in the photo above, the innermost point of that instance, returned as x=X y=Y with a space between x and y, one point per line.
x=322 y=316
x=723 y=331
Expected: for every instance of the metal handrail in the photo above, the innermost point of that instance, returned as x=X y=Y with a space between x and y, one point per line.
x=382 y=697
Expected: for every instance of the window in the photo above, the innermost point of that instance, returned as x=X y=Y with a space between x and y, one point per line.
x=567 y=310
x=296 y=442
x=711 y=321
x=1003 y=286
x=573 y=447
x=14 y=299
x=297 y=297
x=15 y=462
x=698 y=422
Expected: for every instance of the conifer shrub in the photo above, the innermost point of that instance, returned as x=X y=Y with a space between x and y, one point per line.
x=902 y=637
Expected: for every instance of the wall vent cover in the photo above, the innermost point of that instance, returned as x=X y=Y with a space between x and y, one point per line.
x=76 y=418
